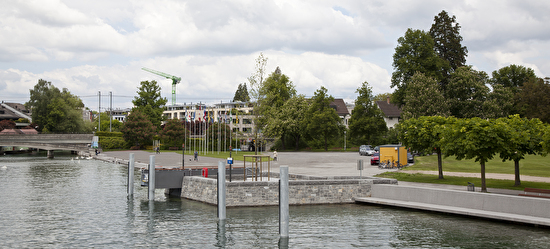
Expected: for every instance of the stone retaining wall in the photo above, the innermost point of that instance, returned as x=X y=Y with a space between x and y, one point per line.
x=263 y=193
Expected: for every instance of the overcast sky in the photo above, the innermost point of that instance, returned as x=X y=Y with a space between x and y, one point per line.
x=101 y=45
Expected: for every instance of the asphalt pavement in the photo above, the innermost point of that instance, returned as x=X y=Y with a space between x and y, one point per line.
x=301 y=163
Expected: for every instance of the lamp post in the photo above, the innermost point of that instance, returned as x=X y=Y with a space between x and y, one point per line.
x=345 y=140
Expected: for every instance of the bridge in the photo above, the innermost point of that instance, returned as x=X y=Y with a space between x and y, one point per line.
x=49 y=142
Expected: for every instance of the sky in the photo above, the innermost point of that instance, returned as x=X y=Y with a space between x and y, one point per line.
x=92 y=46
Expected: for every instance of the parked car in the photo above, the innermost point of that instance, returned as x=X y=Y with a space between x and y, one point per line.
x=410 y=158
x=377 y=148
x=365 y=150
x=375 y=158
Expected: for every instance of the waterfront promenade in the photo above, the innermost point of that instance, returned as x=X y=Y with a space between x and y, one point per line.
x=305 y=163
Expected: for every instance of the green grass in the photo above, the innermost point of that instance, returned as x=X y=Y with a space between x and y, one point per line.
x=463 y=181
x=531 y=165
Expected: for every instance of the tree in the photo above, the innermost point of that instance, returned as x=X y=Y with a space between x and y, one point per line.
x=241 y=95
x=54 y=110
x=138 y=130
x=512 y=77
x=115 y=125
x=173 y=133
x=366 y=124
x=322 y=122
x=499 y=102
x=467 y=92
x=256 y=81
x=475 y=138
x=447 y=43
x=533 y=100
x=7 y=124
x=424 y=134
x=526 y=137
x=150 y=102
x=292 y=117
x=424 y=98
x=414 y=53
x=381 y=96
x=276 y=90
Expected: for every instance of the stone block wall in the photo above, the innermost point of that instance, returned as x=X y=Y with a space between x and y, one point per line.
x=302 y=192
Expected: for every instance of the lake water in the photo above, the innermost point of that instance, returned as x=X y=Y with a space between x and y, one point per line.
x=68 y=203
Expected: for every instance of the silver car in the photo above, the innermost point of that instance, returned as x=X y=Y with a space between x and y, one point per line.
x=366 y=150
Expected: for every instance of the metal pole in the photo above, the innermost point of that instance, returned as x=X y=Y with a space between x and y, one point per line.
x=99 y=112
x=151 y=185
x=221 y=190
x=110 y=111
x=183 y=156
x=283 y=202
x=131 y=175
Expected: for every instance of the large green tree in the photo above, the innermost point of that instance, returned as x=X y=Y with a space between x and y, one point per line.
x=292 y=117
x=276 y=90
x=56 y=111
x=366 y=125
x=445 y=32
x=475 y=138
x=424 y=135
x=424 y=98
x=467 y=92
x=322 y=122
x=512 y=76
x=241 y=95
x=150 y=102
x=533 y=100
x=414 y=53
x=138 y=130
x=526 y=137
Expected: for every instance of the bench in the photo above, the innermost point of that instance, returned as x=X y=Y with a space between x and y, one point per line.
x=535 y=192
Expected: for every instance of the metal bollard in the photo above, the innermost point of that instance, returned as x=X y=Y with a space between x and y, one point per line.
x=221 y=190
x=151 y=185
x=283 y=202
x=131 y=175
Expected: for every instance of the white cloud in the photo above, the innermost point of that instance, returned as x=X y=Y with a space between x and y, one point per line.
x=101 y=45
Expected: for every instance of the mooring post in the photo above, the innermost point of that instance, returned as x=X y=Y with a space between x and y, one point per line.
x=151 y=184
x=221 y=190
x=131 y=175
x=283 y=202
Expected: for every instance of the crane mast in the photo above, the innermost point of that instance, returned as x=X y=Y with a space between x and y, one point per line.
x=175 y=80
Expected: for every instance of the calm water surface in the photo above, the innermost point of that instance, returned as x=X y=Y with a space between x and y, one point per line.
x=70 y=203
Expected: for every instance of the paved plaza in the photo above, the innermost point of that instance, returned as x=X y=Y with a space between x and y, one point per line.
x=302 y=163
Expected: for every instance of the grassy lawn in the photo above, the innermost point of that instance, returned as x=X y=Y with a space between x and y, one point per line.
x=455 y=180
x=531 y=165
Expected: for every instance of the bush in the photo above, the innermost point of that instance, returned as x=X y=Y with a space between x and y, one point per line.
x=108 y=134
x=112 y=142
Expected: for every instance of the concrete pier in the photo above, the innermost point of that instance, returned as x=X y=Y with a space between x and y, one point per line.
x=511 y=208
